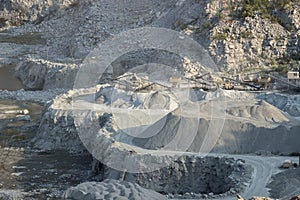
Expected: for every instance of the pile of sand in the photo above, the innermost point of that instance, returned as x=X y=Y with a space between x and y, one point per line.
x=110 y=189
x=259 y=112
x=152 y=120
x=115 y=120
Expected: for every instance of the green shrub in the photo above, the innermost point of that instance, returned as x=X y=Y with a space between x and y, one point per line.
x=265 y=8
x=247 y=8
x=183 y=26
x=246 y=34
x=220 y=16
x=207 y=25
x=219 y=36
x=294 y=154
x=280 y=68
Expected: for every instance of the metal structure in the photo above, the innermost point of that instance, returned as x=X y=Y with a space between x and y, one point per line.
x=293 y=79
x=209 y=81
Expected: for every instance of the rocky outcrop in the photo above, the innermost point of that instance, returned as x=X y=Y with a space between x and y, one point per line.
x=236 y=44
x=38 y=74
x=224 y=177
x=16 y=13
x=239 y=44
x=252 y=43
x=58 y=132
x=180 y=179
x=32 y=75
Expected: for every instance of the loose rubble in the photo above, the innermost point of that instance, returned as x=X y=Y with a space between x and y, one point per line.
x=110 y=189
x=46 y=42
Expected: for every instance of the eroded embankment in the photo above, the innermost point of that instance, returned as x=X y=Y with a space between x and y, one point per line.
x=7 y=79
x=189 y=177
x=24 y=172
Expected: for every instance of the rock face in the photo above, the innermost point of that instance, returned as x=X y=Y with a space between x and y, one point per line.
x=219 y=176
x=187 y=175
x=110 y=189
x=32 y=75
x=38 y=74
x=253 y=43
x=235 y=43
x=15 y=12
x=58 y=131
x=238 y=43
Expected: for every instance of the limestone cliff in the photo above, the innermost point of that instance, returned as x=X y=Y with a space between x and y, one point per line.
x=240 y=35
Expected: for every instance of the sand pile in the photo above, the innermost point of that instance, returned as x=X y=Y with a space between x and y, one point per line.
x=158 y=116
x=110 y=189
x=288 y=103
x=117 y=98
x=124 y=130
x=256 y=111
x=285 y=102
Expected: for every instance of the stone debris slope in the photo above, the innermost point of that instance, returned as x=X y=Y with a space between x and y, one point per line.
x=110 y=189
x=73 y=28
x=46 y=42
